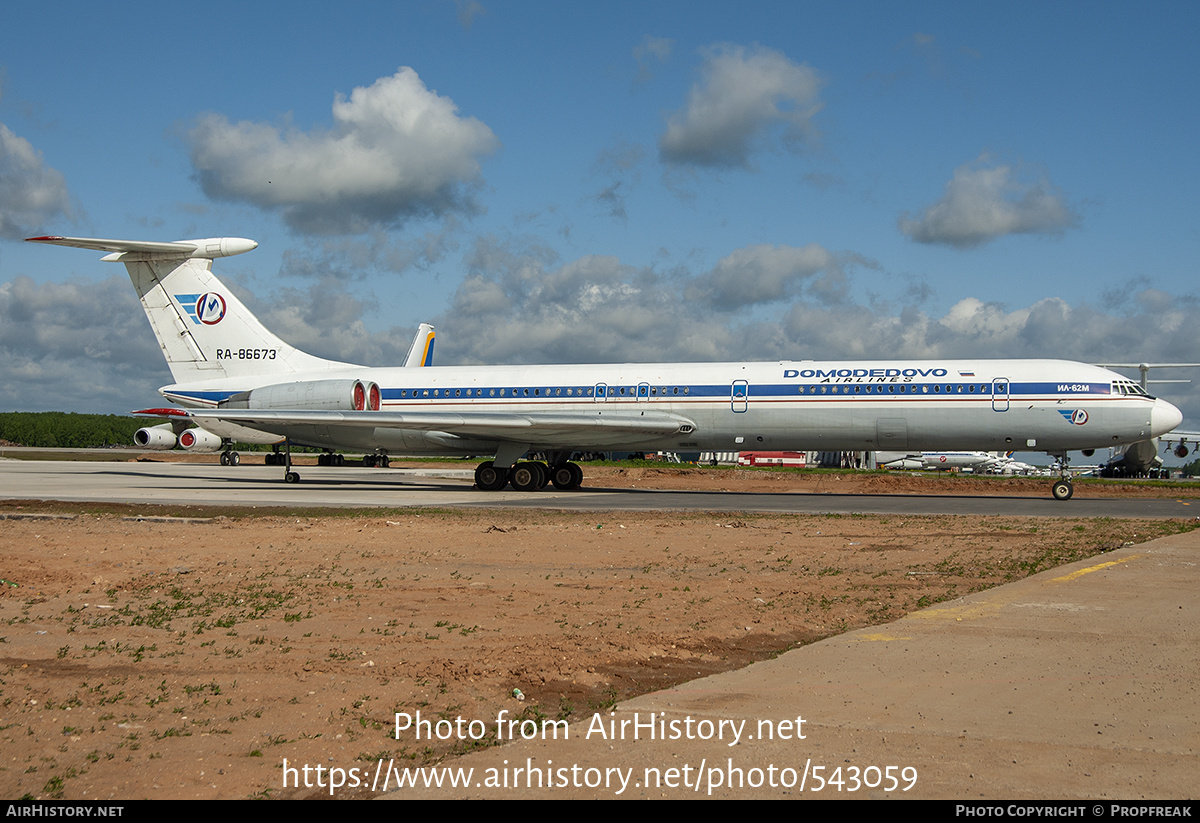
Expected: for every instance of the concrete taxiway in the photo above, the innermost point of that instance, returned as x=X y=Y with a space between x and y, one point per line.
x=1078 y=683
x=212 y=485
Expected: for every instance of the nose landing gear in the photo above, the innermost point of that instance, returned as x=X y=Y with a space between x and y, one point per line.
x=1062 y=488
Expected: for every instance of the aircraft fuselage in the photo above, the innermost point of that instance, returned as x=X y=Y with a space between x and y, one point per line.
x=1043 y=405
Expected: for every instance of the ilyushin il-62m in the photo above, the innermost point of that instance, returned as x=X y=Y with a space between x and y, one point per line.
x=234 y=378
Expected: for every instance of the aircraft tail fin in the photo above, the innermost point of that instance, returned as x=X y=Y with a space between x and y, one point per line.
x=204 y=330
x=421 y=351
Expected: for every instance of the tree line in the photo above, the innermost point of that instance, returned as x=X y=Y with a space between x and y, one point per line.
x=68 y=430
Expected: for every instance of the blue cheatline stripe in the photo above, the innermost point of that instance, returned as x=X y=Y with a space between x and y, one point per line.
x=755 y=391
x=722 y=392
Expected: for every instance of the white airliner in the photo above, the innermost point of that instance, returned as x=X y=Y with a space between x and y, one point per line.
x=230 y=371
x=979 y=462
x=976 y=460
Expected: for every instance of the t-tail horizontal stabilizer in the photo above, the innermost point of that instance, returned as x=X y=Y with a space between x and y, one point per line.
x=208 y=248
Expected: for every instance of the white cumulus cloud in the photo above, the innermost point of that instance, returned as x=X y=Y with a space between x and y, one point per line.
x=982 y=203
x=767 y=274
x=396 y=150
x=31 y=193
x=79 y=346
x=731 y=112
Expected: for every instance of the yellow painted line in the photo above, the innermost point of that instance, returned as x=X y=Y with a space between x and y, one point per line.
x=1089 y=569
x=960 y=612
x=871 y=638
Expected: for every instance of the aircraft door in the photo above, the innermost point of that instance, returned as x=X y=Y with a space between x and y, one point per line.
x=739 y=396
x=891 y=433
x=643 y=391
x=1000 y=392
x=601 y=392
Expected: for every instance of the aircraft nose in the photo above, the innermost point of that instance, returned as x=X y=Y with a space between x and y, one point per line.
x=1164 y=417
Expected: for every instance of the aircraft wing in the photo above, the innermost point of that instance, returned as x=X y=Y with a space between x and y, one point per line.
x=538 y=429
x=1184 y=439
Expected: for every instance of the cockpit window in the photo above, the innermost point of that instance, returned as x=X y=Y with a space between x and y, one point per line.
x=1127 y=388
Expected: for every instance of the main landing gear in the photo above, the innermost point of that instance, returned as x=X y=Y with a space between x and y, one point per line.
x=528 y=476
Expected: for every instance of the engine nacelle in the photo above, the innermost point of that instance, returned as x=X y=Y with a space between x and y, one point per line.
x=1181 y=450
x=198 y=440
x=211 y=247
x=155 y=437
x=311 y=395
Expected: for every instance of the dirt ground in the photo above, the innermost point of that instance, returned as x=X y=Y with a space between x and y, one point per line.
x=189 y=657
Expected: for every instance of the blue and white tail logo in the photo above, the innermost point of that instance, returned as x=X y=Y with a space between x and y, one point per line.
x=210 y=308
x=207 y=308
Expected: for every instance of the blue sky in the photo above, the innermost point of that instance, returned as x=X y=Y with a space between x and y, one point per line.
x=561 y=182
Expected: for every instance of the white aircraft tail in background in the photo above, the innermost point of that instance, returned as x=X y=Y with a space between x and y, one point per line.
x=421 y=351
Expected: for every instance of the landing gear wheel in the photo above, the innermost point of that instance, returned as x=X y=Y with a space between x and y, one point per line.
x=224 y=459
x=566 y=476
x=369 y=461
x=489 y=478
x=291 y=477
x=527 y=477
x=383 y=462
x=234 y=458
x=1062 y=489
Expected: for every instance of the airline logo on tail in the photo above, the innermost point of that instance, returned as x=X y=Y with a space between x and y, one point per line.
x=207 y=308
